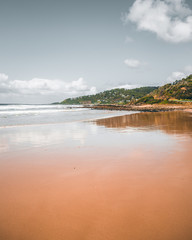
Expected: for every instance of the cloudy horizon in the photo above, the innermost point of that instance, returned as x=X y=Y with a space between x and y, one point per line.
x=57 y=49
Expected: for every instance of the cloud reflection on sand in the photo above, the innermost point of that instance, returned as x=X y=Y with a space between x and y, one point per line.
x=45 y=135
x=139 y=129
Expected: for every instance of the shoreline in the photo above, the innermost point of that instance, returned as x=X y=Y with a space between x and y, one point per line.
x=143 y=108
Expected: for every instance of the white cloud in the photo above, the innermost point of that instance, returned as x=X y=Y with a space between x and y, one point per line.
x=179 y=75
x=132 y=63
x=175 y=76
x=3 y=77
x=39 y=86
x=127 y=86
x=171 y=20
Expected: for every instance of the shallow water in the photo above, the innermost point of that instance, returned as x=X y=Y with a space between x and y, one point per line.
x=17 y=115
x=125 y=177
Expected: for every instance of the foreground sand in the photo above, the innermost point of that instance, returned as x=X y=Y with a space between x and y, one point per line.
x=137 y=191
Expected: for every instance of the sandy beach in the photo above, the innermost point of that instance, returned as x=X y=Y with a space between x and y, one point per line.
x=126 y=177
x=96 y=120
x=143 y=107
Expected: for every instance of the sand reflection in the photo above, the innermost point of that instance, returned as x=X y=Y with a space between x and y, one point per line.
x=170 y=122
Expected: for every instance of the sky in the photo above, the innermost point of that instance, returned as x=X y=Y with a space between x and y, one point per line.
x=54 y=49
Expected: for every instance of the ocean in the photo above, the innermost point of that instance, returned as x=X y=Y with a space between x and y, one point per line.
x=14 y=115
x=36 y=126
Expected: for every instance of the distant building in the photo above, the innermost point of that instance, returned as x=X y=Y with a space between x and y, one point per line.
x=86 y=102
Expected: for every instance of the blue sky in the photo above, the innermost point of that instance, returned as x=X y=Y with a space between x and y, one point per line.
x=53 y=49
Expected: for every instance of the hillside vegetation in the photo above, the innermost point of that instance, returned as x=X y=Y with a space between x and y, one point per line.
x=179 y=91
x=114 y=96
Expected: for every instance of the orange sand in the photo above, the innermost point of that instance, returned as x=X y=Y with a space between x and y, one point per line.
x=139 y=199
x=137 y=195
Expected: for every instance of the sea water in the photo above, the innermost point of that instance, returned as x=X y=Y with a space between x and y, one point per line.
x=35 y=126
x=14 y=115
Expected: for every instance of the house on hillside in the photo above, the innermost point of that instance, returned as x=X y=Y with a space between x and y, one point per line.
x=86 y=102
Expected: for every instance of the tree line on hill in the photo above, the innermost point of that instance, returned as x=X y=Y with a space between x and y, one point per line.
x=176 y=92
x=114 y=96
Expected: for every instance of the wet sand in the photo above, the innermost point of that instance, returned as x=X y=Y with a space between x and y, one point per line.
x=108 y=186
x=144 y=107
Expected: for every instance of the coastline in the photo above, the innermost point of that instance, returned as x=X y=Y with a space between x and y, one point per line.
x=143 y=108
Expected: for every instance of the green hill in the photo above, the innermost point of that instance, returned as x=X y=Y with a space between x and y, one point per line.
x=114 y=96
x=179 y=91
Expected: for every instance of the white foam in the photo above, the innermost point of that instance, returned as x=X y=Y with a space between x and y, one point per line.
x=36 y=109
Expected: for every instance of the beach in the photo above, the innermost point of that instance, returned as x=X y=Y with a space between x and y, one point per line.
x=143 y=107
x=103 y=176
x=96 y=120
